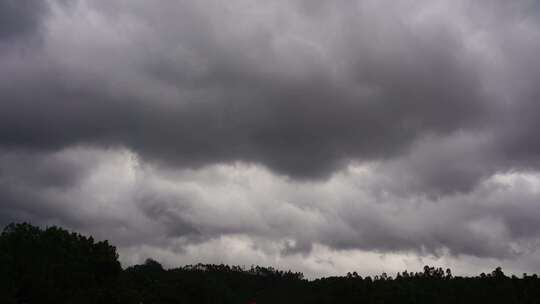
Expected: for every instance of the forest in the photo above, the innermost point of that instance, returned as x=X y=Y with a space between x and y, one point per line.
x=53 y=265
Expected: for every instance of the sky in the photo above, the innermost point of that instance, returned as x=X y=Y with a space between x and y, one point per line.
x=318 y=136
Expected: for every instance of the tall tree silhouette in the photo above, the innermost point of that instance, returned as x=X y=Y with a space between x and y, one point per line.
x=55 y=266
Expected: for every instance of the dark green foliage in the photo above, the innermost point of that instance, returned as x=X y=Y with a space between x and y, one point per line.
x=55 y=266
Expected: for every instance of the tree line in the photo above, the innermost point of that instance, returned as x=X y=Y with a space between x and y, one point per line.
x=54 y=265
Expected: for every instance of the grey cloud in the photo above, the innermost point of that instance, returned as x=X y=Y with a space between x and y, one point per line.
x=441 y=166
x=64 y=188
x=302 y=106
x=153 y=207
x=134 y=204
x=40 y=170
x=436 y=98
x=20 y=18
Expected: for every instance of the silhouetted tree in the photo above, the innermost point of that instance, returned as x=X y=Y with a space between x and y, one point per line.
x=56 y=266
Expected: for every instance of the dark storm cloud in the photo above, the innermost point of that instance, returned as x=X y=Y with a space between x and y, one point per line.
x=29 y=180
x=20 y=18
x=258 y=97
x=436 y=97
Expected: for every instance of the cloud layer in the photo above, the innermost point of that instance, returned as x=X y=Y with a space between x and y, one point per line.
x=381 y=127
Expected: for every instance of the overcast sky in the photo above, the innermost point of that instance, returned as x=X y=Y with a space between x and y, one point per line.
x=318 y=136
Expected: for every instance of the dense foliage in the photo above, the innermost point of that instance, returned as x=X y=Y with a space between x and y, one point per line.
x=55 y=266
